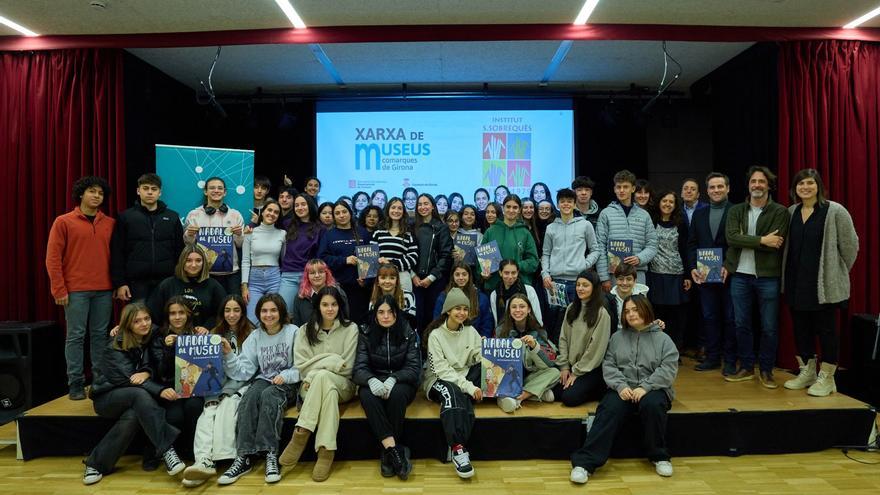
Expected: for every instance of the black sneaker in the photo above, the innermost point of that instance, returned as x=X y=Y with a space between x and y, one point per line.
x=240 y=467
x=462 y=460
x=273 y=475
x=173 y=464
x=707 y=366
x=405 y=468
x=385 y=465
x=77 y=392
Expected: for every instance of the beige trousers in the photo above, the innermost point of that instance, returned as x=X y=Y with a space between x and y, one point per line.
x=320 y=410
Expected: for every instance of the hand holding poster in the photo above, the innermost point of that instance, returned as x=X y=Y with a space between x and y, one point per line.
x=618 y=250
x=709 y=261
x=368 y=260
x=502 y=367
x=217 y=244
x=198 y=366
x=489 y=257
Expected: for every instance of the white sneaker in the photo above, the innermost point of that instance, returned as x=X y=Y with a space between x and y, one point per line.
x=548 y=396
x=663 y=468
x=508 y=404
x=191 y=483
x=579 y=475
x=200 y=471
x=91 y=476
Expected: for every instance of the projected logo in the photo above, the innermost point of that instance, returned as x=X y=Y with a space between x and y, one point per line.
x=507 y=159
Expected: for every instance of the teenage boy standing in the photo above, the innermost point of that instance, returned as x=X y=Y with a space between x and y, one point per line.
x=78 y=262
x=585 y=206
x=146 y=242
x=570 y=246
x=621 y=220
x=216 y=213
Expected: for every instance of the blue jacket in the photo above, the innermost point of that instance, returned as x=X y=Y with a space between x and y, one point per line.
x=614 y=224
x=337 y=245
x=485 y=323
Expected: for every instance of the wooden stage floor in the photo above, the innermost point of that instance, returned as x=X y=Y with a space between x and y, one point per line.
x=709 y=417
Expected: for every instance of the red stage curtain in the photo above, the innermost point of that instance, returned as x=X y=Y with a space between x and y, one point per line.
x=61 y=117
x=829 y=119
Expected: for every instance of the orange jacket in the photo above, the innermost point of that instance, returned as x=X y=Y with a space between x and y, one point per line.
x=78 y=253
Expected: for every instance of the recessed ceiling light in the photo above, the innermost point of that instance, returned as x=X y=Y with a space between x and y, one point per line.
x=21 y=29
x=291 y=14
x=585 y=12
x=861 y=20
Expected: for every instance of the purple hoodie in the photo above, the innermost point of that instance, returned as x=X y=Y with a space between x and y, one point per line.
x=300 y=250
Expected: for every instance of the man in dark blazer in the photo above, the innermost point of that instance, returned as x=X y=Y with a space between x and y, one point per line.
x=707 y=231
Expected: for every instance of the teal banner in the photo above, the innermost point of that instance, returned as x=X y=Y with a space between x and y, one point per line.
x=184 y=170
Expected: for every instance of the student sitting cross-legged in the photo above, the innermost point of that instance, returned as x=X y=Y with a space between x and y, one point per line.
x=583 y=340
x=387 y=369
x=640 y=366
x=267 y=357
x=453 y=371
x=126 y=392
x=215 y=430
x=324 y=355
x=538 y=355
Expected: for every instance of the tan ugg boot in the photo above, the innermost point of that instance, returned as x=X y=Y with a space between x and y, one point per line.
x=805 y=378
x=295 y=447
x=825 y=383
x=322 y=466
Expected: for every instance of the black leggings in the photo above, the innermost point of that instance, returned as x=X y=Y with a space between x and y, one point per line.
x=811 y=324
x=456 y=408
x=585 y=388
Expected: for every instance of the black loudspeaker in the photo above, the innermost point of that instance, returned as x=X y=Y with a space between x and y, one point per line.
x=866 y=358
x=32 y=366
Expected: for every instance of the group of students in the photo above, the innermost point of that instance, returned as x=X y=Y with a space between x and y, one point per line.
x=322 y=335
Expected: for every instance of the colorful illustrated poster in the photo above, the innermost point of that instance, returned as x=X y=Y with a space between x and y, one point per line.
x=618 y=250
x=709 y=261
x=502 y=367
x=198 y=366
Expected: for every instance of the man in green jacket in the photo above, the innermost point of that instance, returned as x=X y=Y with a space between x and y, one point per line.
x=756 y=231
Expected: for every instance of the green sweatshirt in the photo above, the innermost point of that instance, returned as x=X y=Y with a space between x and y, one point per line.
x=514 y=242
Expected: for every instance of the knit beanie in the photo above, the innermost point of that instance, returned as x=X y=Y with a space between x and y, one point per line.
x=454 y=298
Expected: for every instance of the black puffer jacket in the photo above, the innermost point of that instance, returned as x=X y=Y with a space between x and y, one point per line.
x=378 y=356
x=145 y=244
x=435 y=249
x=117 y=366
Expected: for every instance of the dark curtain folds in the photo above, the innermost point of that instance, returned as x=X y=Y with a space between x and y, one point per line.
x=829 y=119
x=61 y=117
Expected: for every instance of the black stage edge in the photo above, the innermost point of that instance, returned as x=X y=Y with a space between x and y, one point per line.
x=693 y=434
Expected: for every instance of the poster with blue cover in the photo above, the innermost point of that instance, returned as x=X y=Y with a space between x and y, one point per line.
x=198 y=365
x=502 y=367
x=185 y=170
x=467 y=244
x=709 y=261
x=217 y=242
x=618 y=250
x=489 y=257
x=367 y=260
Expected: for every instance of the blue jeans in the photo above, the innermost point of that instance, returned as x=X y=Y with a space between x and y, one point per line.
x=261 y=280
x=743 y=290
x=718 y=323
x=86 y=311
x=290 y=282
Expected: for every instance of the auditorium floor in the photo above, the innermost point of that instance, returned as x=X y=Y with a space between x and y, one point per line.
x=824 y=473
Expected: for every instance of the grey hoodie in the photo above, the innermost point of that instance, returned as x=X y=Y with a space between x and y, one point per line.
x=565 y=246
x=646 y=359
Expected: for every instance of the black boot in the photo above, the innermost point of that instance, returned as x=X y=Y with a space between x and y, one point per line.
x=404 y=467
x=385 y=464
